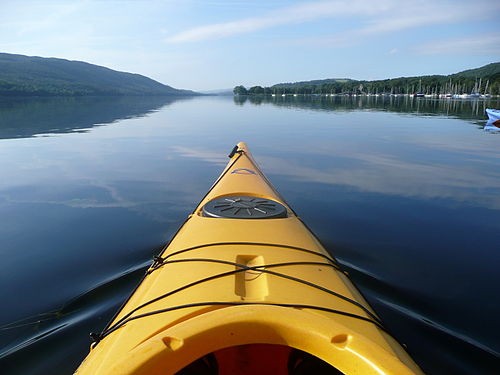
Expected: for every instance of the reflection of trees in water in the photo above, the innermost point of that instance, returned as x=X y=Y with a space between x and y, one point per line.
x=26 y=117
x=460 y=108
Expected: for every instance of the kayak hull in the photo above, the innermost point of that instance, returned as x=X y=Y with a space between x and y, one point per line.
x=224 y=286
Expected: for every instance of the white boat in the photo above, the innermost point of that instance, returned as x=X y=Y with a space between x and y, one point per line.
x=493 y=124
x=493 y=115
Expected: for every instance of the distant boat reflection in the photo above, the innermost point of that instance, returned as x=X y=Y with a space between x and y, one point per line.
x=493 y=126
x=462 y=109
x=493 y=123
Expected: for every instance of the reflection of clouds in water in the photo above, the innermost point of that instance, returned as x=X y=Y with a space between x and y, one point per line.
x=96 y=181
x=159 y=210
x=486 y=151
x=485 y=148
x=153 y=202
x=91 y=179
x=387 y=174
x=203 y=154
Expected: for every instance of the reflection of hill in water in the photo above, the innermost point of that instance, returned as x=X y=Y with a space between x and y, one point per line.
x=26 y=117
x=459 y=108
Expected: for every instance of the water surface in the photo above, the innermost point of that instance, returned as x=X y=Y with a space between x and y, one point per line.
x=404 y=192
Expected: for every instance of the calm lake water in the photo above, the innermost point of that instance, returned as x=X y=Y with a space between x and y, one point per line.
x=404 y=192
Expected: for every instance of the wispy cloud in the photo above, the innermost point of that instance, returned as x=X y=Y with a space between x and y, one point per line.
x=290 y=15
x=409 y=15
x=469 y=45
x=50 y=15
x=378 y=17
x=424 y=13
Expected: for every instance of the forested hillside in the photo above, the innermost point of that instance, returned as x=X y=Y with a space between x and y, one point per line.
x=484 y=80
x=37 y=76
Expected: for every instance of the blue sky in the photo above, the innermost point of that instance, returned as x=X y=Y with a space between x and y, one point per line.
x=204 y=45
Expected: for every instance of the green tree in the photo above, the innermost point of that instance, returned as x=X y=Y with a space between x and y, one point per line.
x=256 y=90
x=240 y=90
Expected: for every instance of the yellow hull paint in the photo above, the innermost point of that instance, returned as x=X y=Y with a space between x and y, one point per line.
x=249 y=306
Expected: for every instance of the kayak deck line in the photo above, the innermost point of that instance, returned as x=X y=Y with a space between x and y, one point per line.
x=158 y=260
x=263 y=269
x=241 y=268
x=244 y=286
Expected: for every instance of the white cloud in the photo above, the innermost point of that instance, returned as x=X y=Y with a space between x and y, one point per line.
x=426 y=13
x=300 y=13
x=411 y=15
x=468 y=45
x=382 y=16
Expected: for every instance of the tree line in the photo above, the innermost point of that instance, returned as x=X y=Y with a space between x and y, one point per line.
x=413 y=85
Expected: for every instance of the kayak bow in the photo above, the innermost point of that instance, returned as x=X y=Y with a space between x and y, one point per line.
x=245 y=288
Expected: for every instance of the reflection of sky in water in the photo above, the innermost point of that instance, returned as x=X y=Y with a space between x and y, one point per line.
x=422 y=191
x=425 y=157
x=141 y=161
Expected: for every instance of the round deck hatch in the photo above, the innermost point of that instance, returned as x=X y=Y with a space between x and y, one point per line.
x=244 y=207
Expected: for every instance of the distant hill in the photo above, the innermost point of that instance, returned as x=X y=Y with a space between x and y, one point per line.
x=313 y=82
x=218 y=92
x=482 y=72
x=484 y=80
x=38 y=76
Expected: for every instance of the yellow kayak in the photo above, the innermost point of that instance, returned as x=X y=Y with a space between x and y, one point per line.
x=245 y=288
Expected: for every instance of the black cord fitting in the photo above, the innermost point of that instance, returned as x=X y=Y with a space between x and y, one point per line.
x=157 y=260
x=234 y=151
x=96 y=337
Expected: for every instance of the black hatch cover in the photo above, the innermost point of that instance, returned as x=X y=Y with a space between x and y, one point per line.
x=244 y=207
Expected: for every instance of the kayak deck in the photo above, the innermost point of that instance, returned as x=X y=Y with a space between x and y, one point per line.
x=245 y=287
